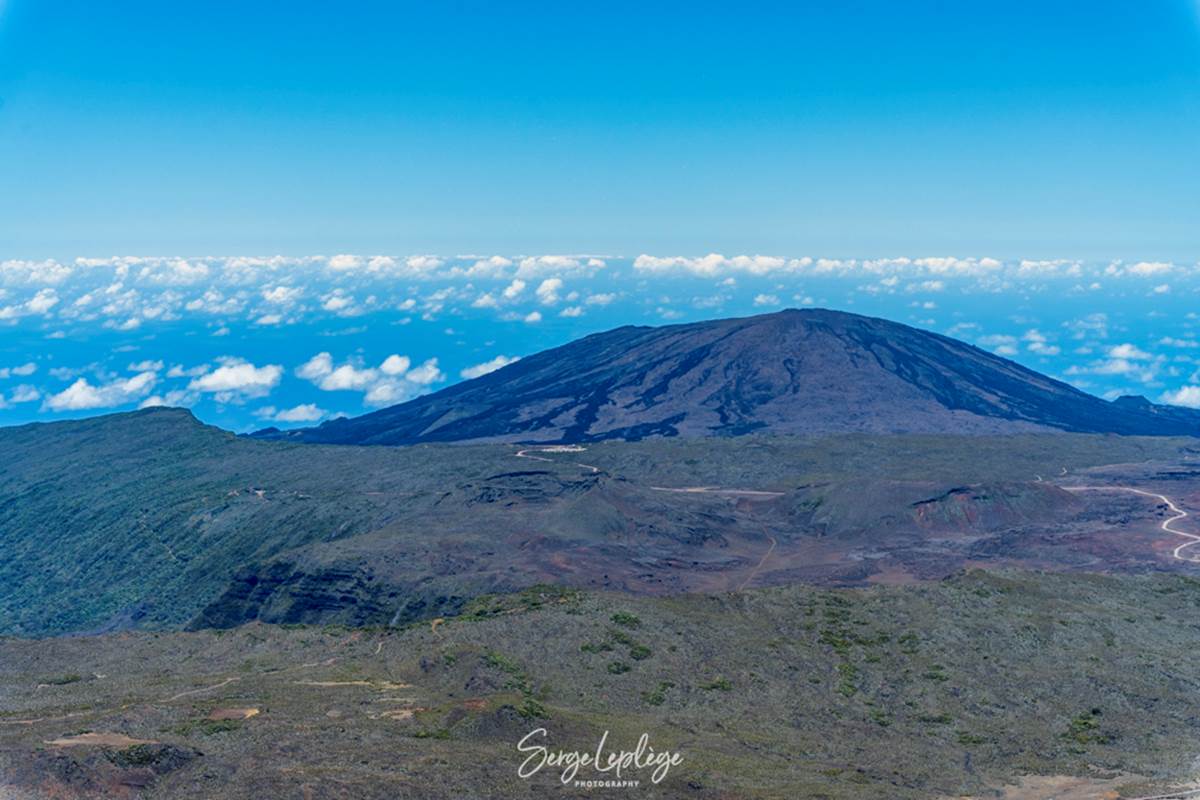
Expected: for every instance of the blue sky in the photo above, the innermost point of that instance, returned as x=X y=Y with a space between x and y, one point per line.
x=852 y=129
x=184 y=183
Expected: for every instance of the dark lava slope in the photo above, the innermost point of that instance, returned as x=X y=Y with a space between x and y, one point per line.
x=792 y=372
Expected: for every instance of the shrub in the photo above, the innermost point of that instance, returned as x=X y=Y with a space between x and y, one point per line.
x=1085 y=729
x=63 y=680
x=659 y=695
x=438 y=733
x=532 y=709
x=493 y=659
x=934 y=719
x=627 y=620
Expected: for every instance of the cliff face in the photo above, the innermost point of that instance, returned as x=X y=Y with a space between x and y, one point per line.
x=348 y=594
x=793 y=372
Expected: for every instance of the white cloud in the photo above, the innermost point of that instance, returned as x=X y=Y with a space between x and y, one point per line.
x=38 y=273
x=426 y=374
x=1148 y=268
x=1128 y=351
x=713 y=264
x=349 y=377
x=178 y=398
x=178 y=371
x=393 y=381
x=485 y=300
x=307 y=412
x=42 y=302
x=23 y=370
x=25 y=394
x=316 y=367
x=547 y=291
x=236 y=379
x=38 y=305
x=345 y=262
x=381 y=264
x=395 y=365
x=533 y=317
x=423 y=264
x=1188 y=396
x=514 y=289
x=766 y=300
x=388 y=393
x=339 y=303
x=1095 y=324
x=82 y=395
x=541 y=266
x=282 y=295
x=1037 y=342
x=571 y=312
x=1000 y=343
x=488 y=366
x=716 y=265
x=602 y=299
x=145 y=366
x=1126 y=360
x=491 y=267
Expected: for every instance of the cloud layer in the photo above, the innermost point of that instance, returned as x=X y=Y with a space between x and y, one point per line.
x=294 y=340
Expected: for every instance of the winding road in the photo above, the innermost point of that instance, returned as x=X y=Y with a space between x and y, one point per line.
x=560 y=449
x=1192 y=539
x=1180 y=795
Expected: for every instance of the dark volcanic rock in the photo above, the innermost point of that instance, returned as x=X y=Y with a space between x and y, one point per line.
x=281 y=592
x=793 y=372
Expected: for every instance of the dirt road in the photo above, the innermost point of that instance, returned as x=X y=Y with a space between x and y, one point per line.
x=1192 y=539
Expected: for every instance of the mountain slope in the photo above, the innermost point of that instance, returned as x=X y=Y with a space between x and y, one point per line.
x=152 y=520
x=792 y=372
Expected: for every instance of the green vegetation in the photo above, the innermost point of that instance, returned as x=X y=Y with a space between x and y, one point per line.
x=935 y=719
x=63 y=680
x=847 y=673
x=659 y=694
x=435 y=733
x=627 y=620
x=306 y=525
x=1085 y=729
x=208 y=727
x=936 y=672
x=489 y=605
x=845 y=684
x=532 y=709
